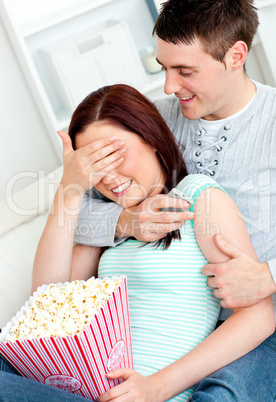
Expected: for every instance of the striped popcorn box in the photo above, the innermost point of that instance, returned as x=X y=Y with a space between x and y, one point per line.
x=77 y=363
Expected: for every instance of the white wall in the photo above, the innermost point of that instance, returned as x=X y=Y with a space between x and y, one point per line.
x=24 y=144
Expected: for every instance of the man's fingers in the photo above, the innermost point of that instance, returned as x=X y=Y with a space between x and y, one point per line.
x=150 y=224
x=227 y=248
x=164 y=228
x=212 y=282
x=164 y=202
x=153 y=232
x=209 y=269
x=165 y=217
x=216 y=293
x=174 y=216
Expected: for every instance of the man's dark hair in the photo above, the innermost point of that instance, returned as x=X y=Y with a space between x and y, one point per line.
x=218 y=24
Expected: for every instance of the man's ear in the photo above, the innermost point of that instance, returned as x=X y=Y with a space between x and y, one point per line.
x=238 y=54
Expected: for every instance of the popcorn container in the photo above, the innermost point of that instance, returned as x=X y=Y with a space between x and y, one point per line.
x=78 y=363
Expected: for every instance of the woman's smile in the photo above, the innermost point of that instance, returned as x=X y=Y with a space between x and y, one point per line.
x=122 y=188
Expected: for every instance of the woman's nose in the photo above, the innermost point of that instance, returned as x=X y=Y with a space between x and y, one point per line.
x=109 y=178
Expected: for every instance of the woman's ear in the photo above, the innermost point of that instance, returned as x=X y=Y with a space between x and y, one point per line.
x=238 y=54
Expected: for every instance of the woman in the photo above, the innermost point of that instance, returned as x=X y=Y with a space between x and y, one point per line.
x=172 y=310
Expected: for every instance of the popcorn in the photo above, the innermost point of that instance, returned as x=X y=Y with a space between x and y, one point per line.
x=62 y=310
x=95 y=312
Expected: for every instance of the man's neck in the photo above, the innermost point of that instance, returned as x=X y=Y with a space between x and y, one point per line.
x=242 y=91
x=248 y=92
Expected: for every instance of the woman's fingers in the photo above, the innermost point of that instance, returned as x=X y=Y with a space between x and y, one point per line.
x=101 y=157
x=89 y=164
x=101 y=148
x=102 y=168
x=66 y=143
x=109 y=162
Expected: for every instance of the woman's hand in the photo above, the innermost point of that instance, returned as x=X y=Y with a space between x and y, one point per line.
x=135 y=388
x=86 y=166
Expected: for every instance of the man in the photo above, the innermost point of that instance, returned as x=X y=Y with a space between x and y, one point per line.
x=226 y=125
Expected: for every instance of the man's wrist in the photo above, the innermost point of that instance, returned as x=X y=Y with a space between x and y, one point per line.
x=123 y=226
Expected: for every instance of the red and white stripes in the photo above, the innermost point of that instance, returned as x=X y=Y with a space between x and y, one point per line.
x=79 y=363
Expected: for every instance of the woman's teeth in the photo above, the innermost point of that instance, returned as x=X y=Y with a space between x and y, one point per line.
x=122 y=187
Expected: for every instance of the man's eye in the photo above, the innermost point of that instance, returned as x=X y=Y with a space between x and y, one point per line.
x=185 y=74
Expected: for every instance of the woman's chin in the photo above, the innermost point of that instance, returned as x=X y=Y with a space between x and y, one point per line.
x=124 y=203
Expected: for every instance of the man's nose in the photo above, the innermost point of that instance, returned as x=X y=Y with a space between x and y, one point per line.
x=172 y=85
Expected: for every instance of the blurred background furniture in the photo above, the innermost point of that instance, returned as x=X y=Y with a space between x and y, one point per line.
x=22 y=218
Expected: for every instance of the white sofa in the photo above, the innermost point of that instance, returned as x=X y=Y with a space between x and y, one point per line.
x=22 y=219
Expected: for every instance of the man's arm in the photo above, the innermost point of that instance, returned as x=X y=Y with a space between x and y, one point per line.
x=103 y=223
x=97 y=221
x=242 y=281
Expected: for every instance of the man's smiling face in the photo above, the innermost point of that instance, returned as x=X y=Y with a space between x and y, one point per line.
x=202 y=84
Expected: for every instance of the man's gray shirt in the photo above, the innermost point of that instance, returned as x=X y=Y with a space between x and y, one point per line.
x=242 y=159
